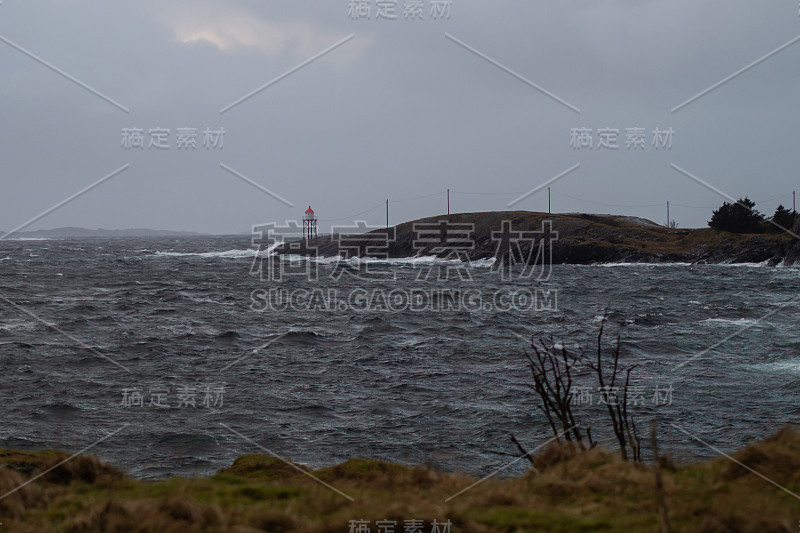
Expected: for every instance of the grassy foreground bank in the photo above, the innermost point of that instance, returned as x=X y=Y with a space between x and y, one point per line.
x=594 y=491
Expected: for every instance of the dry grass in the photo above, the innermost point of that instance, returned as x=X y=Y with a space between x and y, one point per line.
x=568 y=492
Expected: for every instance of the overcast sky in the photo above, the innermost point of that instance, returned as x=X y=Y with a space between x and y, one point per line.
x=398 y=111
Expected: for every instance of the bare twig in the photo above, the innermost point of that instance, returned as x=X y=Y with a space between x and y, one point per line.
x=552 y=381
x=552 y=372
x=522 y=450
x=621 y=422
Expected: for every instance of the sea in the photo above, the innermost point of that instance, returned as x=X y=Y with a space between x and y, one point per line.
x=174 y=356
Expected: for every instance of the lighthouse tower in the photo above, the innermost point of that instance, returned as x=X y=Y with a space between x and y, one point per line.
x=309 y=224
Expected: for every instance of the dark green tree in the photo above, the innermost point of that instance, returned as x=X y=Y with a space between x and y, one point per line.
x=783 y=218
x=738 y=217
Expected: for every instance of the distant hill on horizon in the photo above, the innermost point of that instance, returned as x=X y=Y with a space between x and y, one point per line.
x=71 y=232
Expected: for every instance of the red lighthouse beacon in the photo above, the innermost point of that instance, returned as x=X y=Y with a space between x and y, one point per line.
x=309 y=224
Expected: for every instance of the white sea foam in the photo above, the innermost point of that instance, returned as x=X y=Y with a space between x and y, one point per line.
x=613 y=265
x=746 y=265
x=230 y=254
x=410 y=261
x=779 y=367
x=733 y=322
x=402 y=261
x=634 y=264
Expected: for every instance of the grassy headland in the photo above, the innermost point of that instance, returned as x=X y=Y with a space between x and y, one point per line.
x=593 y=491
x=584 y=238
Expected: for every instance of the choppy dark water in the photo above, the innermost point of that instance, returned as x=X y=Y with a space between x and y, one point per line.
x=424 y=387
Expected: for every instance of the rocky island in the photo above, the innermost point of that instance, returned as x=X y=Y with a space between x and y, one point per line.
x=575 y=239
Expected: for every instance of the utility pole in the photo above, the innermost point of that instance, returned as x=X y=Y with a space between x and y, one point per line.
x=387 y=213
x=448 y=201
x=667 y=213
x=793 y=209
x=548 y=201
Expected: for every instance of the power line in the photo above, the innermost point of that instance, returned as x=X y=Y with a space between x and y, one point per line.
x=696 y=206
x=606 y=204
x=776 y=198
x=418 y=197
x=487 y=193
x=510 y=193
x=382 y=204
x=356 y=215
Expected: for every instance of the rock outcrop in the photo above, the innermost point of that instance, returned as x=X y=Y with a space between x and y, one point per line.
x=574 y=238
